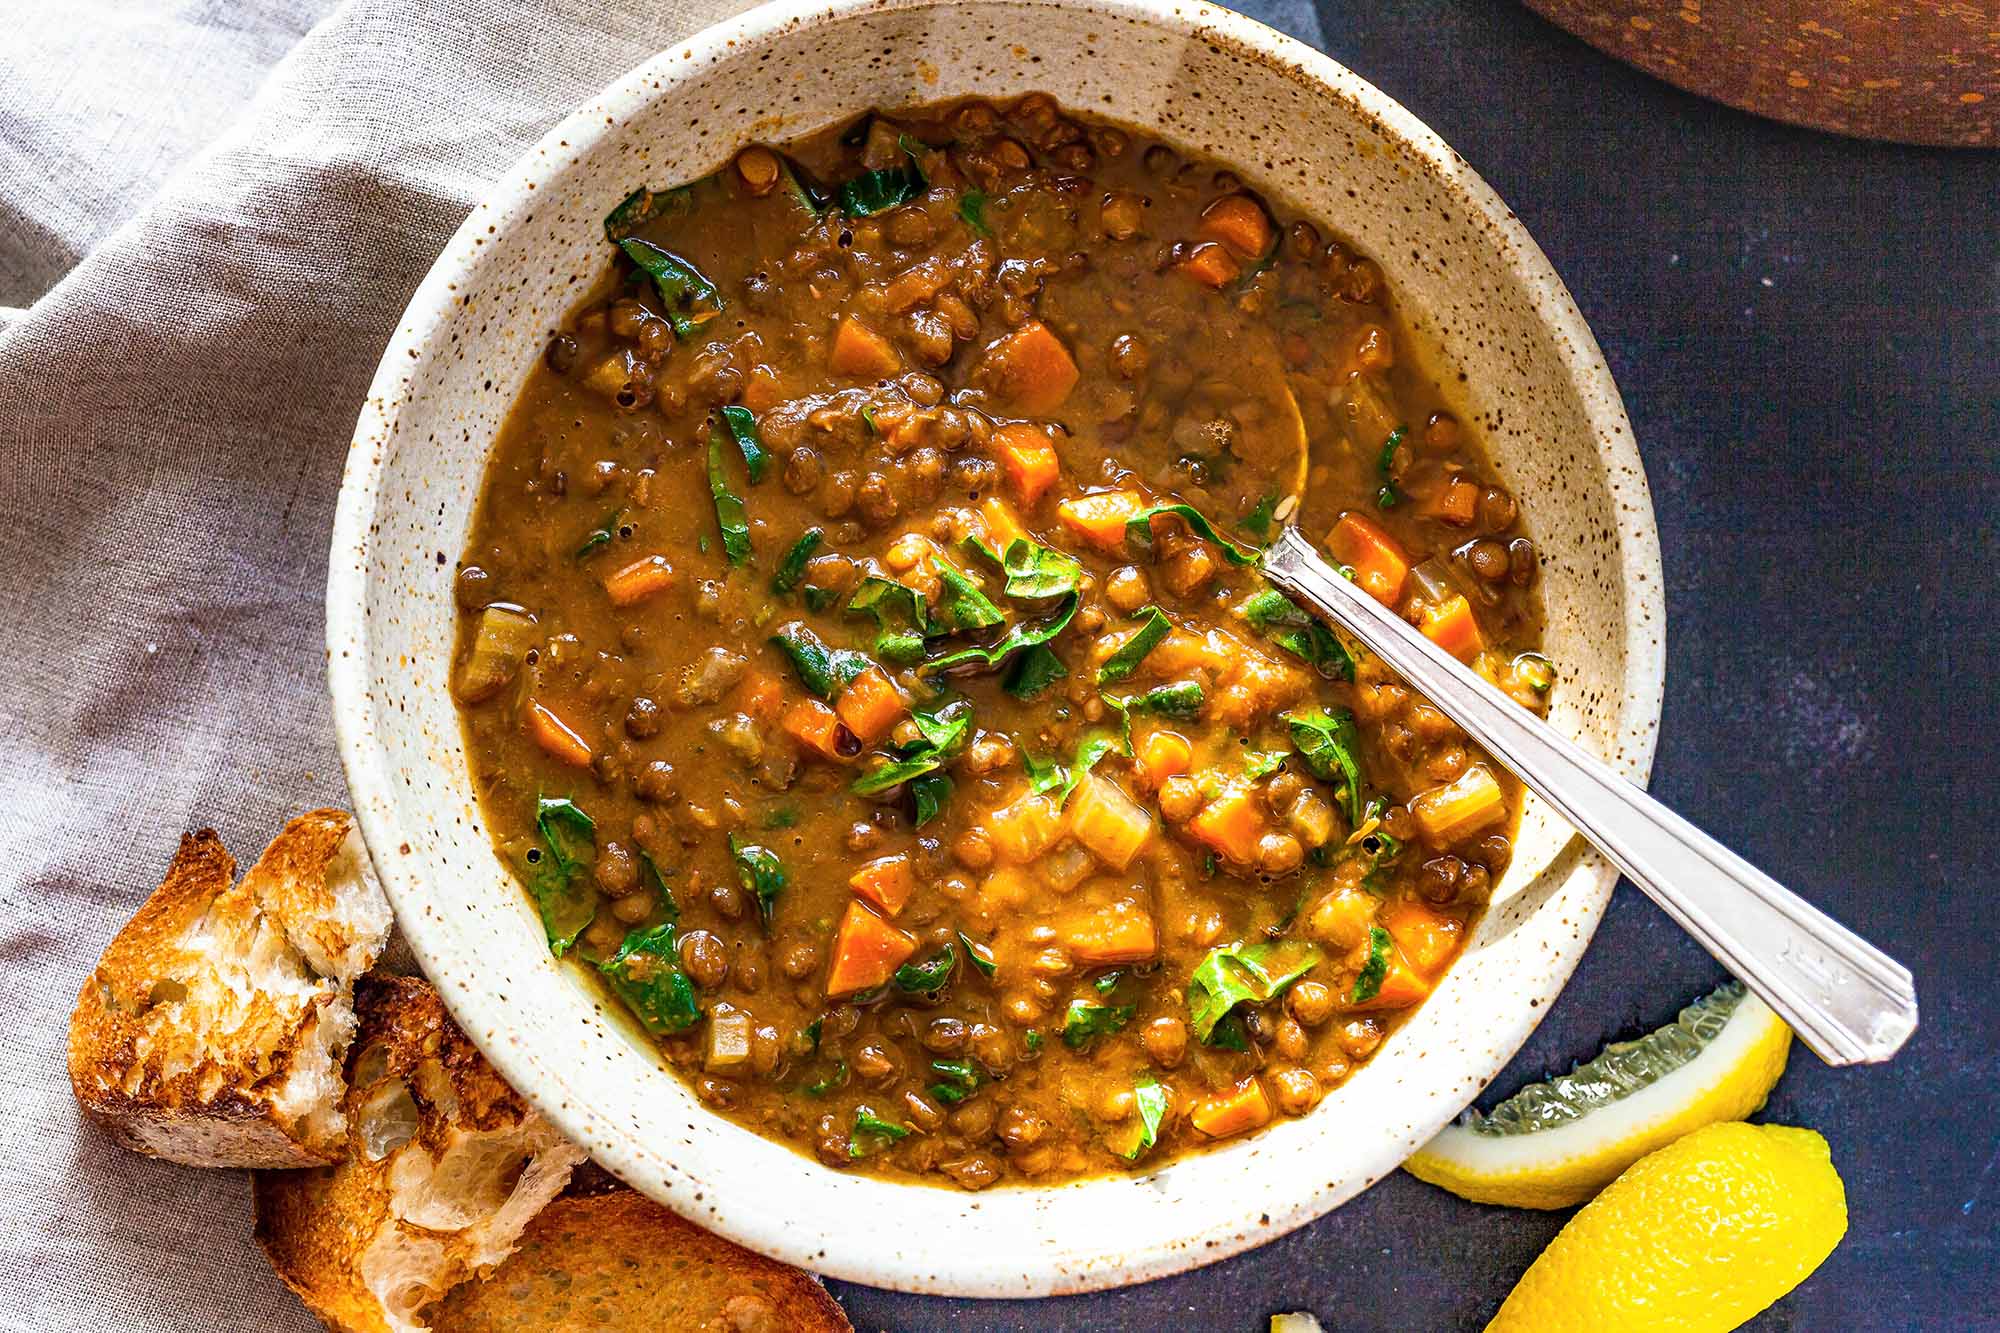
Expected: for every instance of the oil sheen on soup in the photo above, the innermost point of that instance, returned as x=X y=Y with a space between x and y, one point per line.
x=865 y=667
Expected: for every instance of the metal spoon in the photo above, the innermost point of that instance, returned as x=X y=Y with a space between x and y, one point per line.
x=1846 y=999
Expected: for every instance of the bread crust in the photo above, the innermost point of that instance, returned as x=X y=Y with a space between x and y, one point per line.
x=444 y=1165
x=619 y=1260
x=206 y=1034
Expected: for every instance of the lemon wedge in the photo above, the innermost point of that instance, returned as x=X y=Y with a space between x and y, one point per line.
x=1555 y=1144
x=1696 y=1238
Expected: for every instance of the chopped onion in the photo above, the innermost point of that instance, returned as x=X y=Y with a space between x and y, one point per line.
x=502 y=639
x=728 y=1037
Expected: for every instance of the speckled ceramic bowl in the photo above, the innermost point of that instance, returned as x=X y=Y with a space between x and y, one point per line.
x=1300 y=128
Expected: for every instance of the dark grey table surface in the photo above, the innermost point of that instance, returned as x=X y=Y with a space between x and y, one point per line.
x=1807 y=333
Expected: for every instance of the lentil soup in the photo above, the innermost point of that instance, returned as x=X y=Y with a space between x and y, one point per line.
x=865 y=668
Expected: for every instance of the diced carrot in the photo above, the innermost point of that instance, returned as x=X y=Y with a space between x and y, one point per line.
x=761 y=390
x=1099 y=518
x=871 y=705
x=1239 y=222
x=887 y=882
x=866 y=952
x=862 y=353
x=1427 y=937
x=1024 y=829
x=1457 y=503
x=815 y=726
x=916 y=284
x=1451 y=627
x=1001 y=526
x=759 y=695
x=1120 y=933
x=1031 y=369
x=1029 y=461
x=1165 y=754
x=639 y=580
x=1234 y=1110
x=1469 y=803
x=557 y=736
x=1231 y=823
x=1401 y=987
x=1211 y=265
x=1110 y=824
x=1343 y=917
x=1379 y=563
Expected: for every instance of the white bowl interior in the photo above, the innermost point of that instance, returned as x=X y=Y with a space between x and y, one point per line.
x=1300 y=128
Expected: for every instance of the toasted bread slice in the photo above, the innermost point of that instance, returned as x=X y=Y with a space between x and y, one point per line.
x=618 y=1262
x=444 y=1166
x=213 y=1028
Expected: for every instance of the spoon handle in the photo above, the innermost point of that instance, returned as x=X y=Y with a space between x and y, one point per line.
x=1846 y=999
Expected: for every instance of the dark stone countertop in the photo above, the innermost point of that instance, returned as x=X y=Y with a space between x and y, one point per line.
x=1807 y=333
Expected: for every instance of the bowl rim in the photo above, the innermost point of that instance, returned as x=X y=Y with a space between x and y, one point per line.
x=577 y=135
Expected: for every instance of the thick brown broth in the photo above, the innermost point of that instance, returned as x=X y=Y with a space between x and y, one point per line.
x=1019 y=951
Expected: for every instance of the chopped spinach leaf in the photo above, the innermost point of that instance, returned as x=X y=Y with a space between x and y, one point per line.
x=742 y=424
x=760 y=873
x=1369 y=983
x=1083 y=1022
x=929 y=794
x=691 y=299
x=556 y=871
x=1107 y=983
x=972 y=208
x=929 y=976
x=643 y=206
x=1263 y=763
x=1258 y=521
x=1150 y=1100
x=957 y=1080
x=819 y=1087
x=1033 y=571
x=668 y=904
x=818 y=598
x=1295 y=630
x=824 y=671
x=783 y=816
x=872 y=1132
x=1130 y=653
x=1033 y=671
x=1019 y=636
x=879 y=191
x=793 y=567
x=962 y=606
x=1139 y=533
x=1330 y=746
x=943 y=726
x=1181 y=700
x=1032 y=1039
x=1230 y=975
x=601 y=536
x=730 y=516
x=978 y=955
x=646 y=974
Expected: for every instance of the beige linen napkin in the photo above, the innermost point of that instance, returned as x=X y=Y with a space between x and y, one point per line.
x=173 y=419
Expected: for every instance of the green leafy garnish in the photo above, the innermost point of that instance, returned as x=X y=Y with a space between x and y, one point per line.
x=928 y=795
x=957 y=1080
x=555 y=872
x=742 y=424
x=1149 y=1099
x=793 y=567
x=1139 y=532
x=668 y=905
x=1263 y=763
x=1125 y=661
x=601 y=536
x=1034 y=571
x=1083 y=1022
x=901 y=615
x=1258 y=521
x=803 y=191
x=872 y=1132
x=1180 y=700
x=761 y=874
x=691 y=299
x=962 y=606
x=782 y=816
x=929 y=976
x=1032 y=1039
x=1020 y=635
x=824 y=671
x=1230 y=975
x=943 y=726
x=818 y=598
x=643 y=206
x=889 y=187
x=1330 y=746
x=1034 y=670
x=730 y=515
x=1295 y=630
x=972 y=208
x=819 y=1087
x=646 y=974
x=1107 y=983
x=978 y=955
x=1369 y=983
